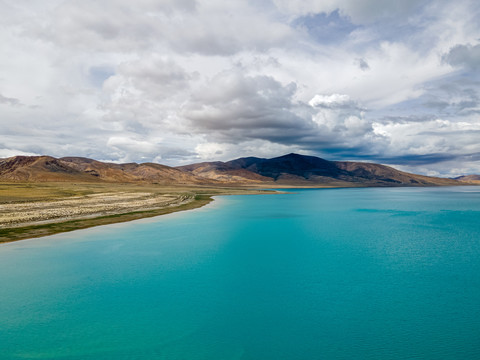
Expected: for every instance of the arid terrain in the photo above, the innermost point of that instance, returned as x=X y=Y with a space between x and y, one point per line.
x=77 y=207
x=43 y=195
x=286 y=170
x=38 y=209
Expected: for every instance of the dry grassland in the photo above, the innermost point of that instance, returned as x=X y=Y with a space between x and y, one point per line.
x=38 y=209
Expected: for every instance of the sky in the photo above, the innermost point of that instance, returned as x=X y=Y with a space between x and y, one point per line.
x=183 y=81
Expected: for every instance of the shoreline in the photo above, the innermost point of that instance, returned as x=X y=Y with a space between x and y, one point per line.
x=12 y=234
x=188 y=198
x=29 y=211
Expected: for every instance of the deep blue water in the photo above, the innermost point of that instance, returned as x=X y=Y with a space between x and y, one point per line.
x=315 y=274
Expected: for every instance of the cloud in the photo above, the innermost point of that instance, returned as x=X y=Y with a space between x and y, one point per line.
x=368 y=11
x=212 y=151
x=152 y=77
x=326 y=28
x=9 y=101
x=341 y=126
x=98 y=74
x=178 y=81
x=362 y=64
x=441 y=165
x=429 y=140
x=234 y=109
x=467 y=56
x=451 y=97
x=110 y=25
x=6 y=153
x=185 y=26
x=332 y=101
x=233 y=101
x=360 y=11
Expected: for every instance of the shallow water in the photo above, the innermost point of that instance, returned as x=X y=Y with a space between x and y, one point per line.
x=315 y=274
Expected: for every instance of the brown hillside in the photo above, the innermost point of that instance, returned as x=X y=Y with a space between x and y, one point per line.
x=472 y=179
x=368 y=172
x=39 y=168
x=49 y=169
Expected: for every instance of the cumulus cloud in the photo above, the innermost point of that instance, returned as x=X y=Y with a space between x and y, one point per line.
x=233 y=101
x=236 y=109
x=342 y=126
x=331 y=101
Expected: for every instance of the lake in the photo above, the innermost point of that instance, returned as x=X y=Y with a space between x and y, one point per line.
x=374 y=273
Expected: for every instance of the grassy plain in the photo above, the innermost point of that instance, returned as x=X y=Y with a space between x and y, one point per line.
x=29 y=210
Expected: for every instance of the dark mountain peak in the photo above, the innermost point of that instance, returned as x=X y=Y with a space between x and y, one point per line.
x=301 y=160
x=291 y=155
x=302 y=166
x=243 y=163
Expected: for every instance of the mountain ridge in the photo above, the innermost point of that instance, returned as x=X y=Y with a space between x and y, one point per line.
x=305 y=170
x=286 y=170
x=474 y=179
x=49 y=169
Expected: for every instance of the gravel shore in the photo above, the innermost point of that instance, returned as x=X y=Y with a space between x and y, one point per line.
x=18 y=214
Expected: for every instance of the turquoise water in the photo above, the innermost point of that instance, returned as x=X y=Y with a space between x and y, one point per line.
x=315 y=274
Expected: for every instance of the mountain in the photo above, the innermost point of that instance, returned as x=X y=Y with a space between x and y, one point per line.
x=38 y=168
x=473 y=179
x=287 y=170
x=131 y=172
x=47 y=168
x=295 y=169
